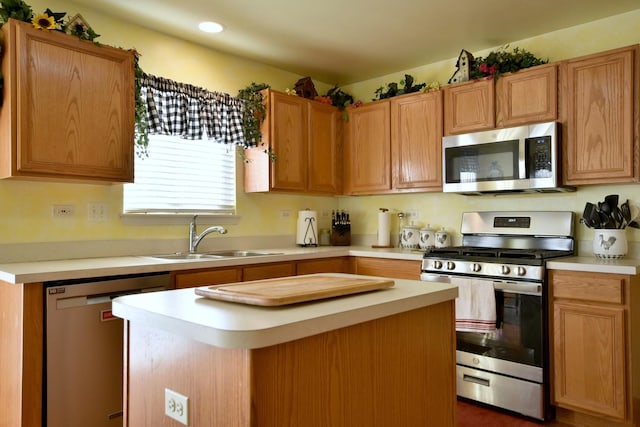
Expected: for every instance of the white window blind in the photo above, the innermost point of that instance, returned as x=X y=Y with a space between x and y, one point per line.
x=183 y=176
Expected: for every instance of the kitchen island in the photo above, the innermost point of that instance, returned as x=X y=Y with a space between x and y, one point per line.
x=380 y=358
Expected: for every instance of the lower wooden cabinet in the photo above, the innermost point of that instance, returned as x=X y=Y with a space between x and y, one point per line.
x=222 y=275
x=213 y=276
x=593 y=331
x=323 y=265
x=268 y=271
x=394 y=268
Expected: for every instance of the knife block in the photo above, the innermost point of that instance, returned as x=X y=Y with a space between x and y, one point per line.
x=341 y=235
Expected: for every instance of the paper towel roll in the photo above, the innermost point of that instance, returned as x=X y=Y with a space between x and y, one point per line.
x=307 y=234
x=384 y=228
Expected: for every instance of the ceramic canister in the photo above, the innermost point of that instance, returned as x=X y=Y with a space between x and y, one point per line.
x=410 y=237
x=427 y=237
x=442 y=239
x=610 y=243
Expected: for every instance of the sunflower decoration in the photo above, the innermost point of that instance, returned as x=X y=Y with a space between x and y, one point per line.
x=42 y=21
x=48 y=20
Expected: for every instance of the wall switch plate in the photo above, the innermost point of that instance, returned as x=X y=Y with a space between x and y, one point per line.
x=63 y=210
x=176 y=406
x=97 y=211
x=286 y=214
x=413 y=214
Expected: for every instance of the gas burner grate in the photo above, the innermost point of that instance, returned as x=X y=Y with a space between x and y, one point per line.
x=472 y=252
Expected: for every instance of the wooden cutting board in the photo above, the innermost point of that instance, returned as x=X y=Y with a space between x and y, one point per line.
x=291 y=290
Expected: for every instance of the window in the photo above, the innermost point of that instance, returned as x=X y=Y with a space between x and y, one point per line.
x=183 y=176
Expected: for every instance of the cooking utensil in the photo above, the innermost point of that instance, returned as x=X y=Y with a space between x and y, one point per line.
x=606 y=221
x=626 y=213
x=590 y=216
x=618 y=219
x=604 y=208
x=612 y=201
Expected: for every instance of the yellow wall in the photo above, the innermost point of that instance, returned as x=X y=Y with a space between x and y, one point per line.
x=26 y=206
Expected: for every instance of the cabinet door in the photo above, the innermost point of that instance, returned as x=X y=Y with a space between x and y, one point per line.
x=395 y=268
x=469 y=107
x=416 y=140
x=367 y=154
x=322 y=265
x=324 y=157
x=527 y=96
x=288 y=138
x=216 y=276
x=600 y=97
x=268 y=271
x=589 y=358
x=72 y=104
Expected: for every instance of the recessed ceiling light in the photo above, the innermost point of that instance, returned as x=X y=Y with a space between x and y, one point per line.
x=210 y=27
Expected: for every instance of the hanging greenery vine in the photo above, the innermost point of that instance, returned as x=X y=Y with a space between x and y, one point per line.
x=253 y=114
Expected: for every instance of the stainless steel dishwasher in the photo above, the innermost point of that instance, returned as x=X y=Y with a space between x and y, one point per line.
x=84 y=348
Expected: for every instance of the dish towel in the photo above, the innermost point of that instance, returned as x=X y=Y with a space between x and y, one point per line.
x=475 y=305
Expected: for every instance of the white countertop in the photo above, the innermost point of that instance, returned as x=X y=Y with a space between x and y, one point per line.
x=628 y=266
x=32 y=272
x=233 y=325
x=39 y=271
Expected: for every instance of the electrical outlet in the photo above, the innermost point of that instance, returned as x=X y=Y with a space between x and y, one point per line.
x=285 y=214
x=97 y=211
x=63 y=210
x=176 y=406
x=413 y=214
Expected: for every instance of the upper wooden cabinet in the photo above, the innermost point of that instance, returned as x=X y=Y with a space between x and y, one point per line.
x=600 y=103
x=527 y=96
x=416 y=141
x=324 y=171
x=395 y=145
x=469 y=107
x=68 y=110
x=367 y=150
x=303 y=135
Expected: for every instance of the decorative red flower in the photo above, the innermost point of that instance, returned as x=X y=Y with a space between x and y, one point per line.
x=324 y=100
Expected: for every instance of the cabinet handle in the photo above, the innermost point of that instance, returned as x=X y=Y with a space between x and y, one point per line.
x=476 y=380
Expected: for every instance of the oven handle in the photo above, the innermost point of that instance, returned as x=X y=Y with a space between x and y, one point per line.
x=512 y=287
x=519 y=288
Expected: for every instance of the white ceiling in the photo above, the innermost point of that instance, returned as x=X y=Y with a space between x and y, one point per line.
x=345 y=41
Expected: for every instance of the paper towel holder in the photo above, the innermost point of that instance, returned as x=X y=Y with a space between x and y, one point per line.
x=383 y=210
x=307 y=230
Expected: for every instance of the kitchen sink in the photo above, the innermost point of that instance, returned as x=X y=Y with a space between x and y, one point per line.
x=185 y=255
x=241 y=253
x=213 y=255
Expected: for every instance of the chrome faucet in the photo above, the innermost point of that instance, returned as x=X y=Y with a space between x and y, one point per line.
x=194 y=238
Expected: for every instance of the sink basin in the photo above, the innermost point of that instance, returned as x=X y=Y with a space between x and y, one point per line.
x=241 y=253
x=212 y=255
x=181 y=255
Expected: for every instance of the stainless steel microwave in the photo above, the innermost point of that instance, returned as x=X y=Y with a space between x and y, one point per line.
x=517 y=159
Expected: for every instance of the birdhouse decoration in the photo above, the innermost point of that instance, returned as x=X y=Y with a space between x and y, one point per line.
x=465 y=60
x=305 y=88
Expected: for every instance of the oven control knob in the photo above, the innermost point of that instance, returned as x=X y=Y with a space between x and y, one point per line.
x=476 y=267
x=505 y=269
x=451 y=265
x=521 y=271
x=437 y=264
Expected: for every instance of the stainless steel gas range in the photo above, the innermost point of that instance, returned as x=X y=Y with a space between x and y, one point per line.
x=503 y=360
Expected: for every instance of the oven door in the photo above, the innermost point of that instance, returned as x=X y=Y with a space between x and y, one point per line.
x=516 y=348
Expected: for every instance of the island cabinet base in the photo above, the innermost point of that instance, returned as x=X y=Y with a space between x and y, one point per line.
x=393 y=371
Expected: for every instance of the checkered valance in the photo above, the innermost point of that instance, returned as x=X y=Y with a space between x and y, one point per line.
x=192 y=112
